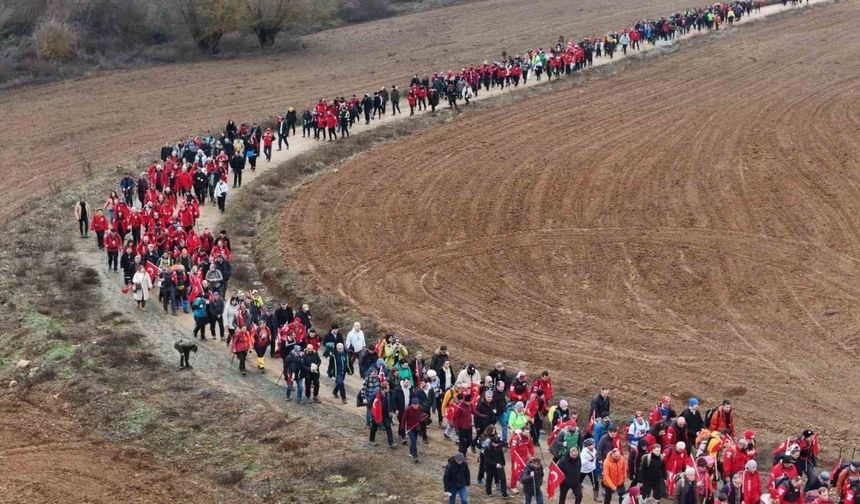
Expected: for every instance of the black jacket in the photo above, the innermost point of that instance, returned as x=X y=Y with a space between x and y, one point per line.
x=502 y=376
x=571 y=469
x=695 y=422
x=307 y=360
x=599 y=405
x=398 y=400
x=651 y=470
x=484 y=415
x=283 y=316
x=456 y=475
x=494 y=453
x=531 y=483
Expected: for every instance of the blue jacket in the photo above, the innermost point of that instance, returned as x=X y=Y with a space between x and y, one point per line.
x=199 y=307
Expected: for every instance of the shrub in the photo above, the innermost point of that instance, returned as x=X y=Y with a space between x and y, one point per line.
x=353 y=11
x=55 y=40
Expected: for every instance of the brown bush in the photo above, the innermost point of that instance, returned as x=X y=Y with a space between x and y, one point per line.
x=55 y=40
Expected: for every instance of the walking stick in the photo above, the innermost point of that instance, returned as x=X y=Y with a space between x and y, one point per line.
x=232 y=359
x=279 y=378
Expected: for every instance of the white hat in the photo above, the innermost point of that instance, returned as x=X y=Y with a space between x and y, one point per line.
x=431 y=374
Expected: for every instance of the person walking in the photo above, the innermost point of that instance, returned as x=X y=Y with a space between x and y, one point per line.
x=284 y=133
x=292 y=355
x=311 y=372
x=141 y=284
x=82 y=215
x=394 y=96
x=99 y=225
x=215 y=315
x=340 y=367
x=456 y=479
x=241 y=344
x=571 y=466
x=589 y=466
x=200 y=312
x=494 y=464
x=413 y=418
x=378 y=400
x=614 y=476
x=531 y=479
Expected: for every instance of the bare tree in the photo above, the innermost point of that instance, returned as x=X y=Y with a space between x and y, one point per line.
x=268 y=17
x=209 y=20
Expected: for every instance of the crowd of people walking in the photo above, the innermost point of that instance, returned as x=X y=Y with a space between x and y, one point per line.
x=149 y=231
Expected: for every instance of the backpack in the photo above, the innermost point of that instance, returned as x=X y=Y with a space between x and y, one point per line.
x=708 y=416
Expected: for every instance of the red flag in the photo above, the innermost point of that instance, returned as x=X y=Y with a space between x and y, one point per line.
x=532 y=406
x=591 y=421
x=376 y=407
x=382 y=376
x=554 y=479
x=196 y=288
x=475 y=394
x=152 y=270
x=517 y=466
x=126 y=289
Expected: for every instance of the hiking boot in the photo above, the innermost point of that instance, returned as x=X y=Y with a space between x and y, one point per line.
x=189 y=366
x=317 y=400
x=289 y=399
x=373 y=444
x=481 y=482
x=596 y=495
x=343 y=401
x=416 y=460
x=392 y=445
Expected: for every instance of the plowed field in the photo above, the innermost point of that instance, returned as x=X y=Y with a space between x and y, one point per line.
x=115 y=117
x=689 y=226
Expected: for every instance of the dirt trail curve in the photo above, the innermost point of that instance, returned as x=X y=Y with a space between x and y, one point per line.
x=213 y=362
x=698 y=214
x=115 y=117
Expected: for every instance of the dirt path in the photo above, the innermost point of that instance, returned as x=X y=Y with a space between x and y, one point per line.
x=693 y=214
x=213 y=365
x=116 y=117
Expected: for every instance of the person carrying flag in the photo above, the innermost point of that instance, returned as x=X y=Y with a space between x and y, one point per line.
x=521 y=449
x=570 y=467
x=413 y=418
x=380 y=415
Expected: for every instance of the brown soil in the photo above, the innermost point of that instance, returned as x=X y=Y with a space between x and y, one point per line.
x=115 y=117
x=45 y=459
x=687 y=226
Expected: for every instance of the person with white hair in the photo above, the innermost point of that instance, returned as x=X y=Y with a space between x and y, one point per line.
x=356 y=346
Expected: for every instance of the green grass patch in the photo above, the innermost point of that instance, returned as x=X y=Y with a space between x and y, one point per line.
x=140 y=419
x=42 y=325
x=60 y=351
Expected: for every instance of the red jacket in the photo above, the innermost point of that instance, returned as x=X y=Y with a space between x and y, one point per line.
x=186 y=217
x=752 y=487
x=113 y=242
x=412 y=417
x=676 y=461
x=331 y=121
x=779 y=471
x=462 y=417
x=241 y=341
x=734 y=460
x=99 y=223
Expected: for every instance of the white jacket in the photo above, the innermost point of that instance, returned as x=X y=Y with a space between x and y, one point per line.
x=588 y=459
x=230 y=313
x=356 y=340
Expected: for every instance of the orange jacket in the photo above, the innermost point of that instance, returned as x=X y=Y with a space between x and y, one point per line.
x=721 y=421
x=614 y=472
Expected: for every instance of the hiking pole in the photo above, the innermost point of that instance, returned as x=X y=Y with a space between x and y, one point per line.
x=279 y=378
x=232 y=359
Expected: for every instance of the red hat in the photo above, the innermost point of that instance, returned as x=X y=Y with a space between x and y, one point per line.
x=748 y=435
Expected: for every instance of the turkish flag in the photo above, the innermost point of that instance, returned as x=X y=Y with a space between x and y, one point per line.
x=475 y=394
x=554 y=479
x=152 y=270
x=126 y=289
x=591 y=421
x=376 y=407
x=517 y=466
x=382 y=378
x=196 y=288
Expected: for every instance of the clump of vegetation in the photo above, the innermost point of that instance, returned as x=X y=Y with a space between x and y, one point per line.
x=55 y=40
x=39 y=38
